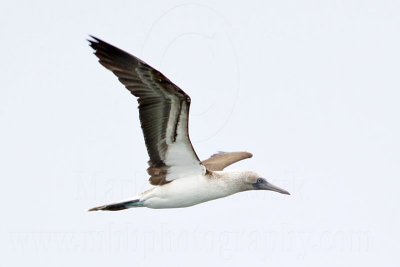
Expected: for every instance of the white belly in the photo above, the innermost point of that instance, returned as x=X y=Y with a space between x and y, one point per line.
x=184 y=192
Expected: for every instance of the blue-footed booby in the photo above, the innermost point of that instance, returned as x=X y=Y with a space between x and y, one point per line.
x=179 y=178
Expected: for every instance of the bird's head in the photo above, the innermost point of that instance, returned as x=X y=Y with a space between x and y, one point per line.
x=253 y=181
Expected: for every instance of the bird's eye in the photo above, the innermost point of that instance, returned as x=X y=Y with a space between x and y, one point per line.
x=259 y=180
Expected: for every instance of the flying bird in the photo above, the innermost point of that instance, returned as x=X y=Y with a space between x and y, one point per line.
x=179 y=178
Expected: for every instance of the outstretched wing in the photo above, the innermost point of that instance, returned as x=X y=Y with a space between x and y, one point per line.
x=219 y=161
x=163 y=113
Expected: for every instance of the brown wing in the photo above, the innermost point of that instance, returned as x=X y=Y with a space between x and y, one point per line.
x=219 y=161
x=163 y=113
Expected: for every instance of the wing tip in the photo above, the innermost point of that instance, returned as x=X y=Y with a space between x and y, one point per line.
x=92 y=40
x=249 y=155
x=98 y=44
x=220 y=153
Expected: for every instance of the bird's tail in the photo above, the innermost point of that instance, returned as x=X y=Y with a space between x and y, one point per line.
x=120 y=206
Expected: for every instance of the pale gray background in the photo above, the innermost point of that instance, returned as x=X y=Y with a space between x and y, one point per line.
x=310 y=87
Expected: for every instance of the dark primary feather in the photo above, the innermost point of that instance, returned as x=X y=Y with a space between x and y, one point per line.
x=156 y=94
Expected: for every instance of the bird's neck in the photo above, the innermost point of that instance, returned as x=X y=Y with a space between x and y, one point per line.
x=229 y=182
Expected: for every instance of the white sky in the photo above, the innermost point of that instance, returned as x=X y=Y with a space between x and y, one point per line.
x=311 y=88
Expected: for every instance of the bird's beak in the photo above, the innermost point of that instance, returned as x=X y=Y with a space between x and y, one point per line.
x=269 y=186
